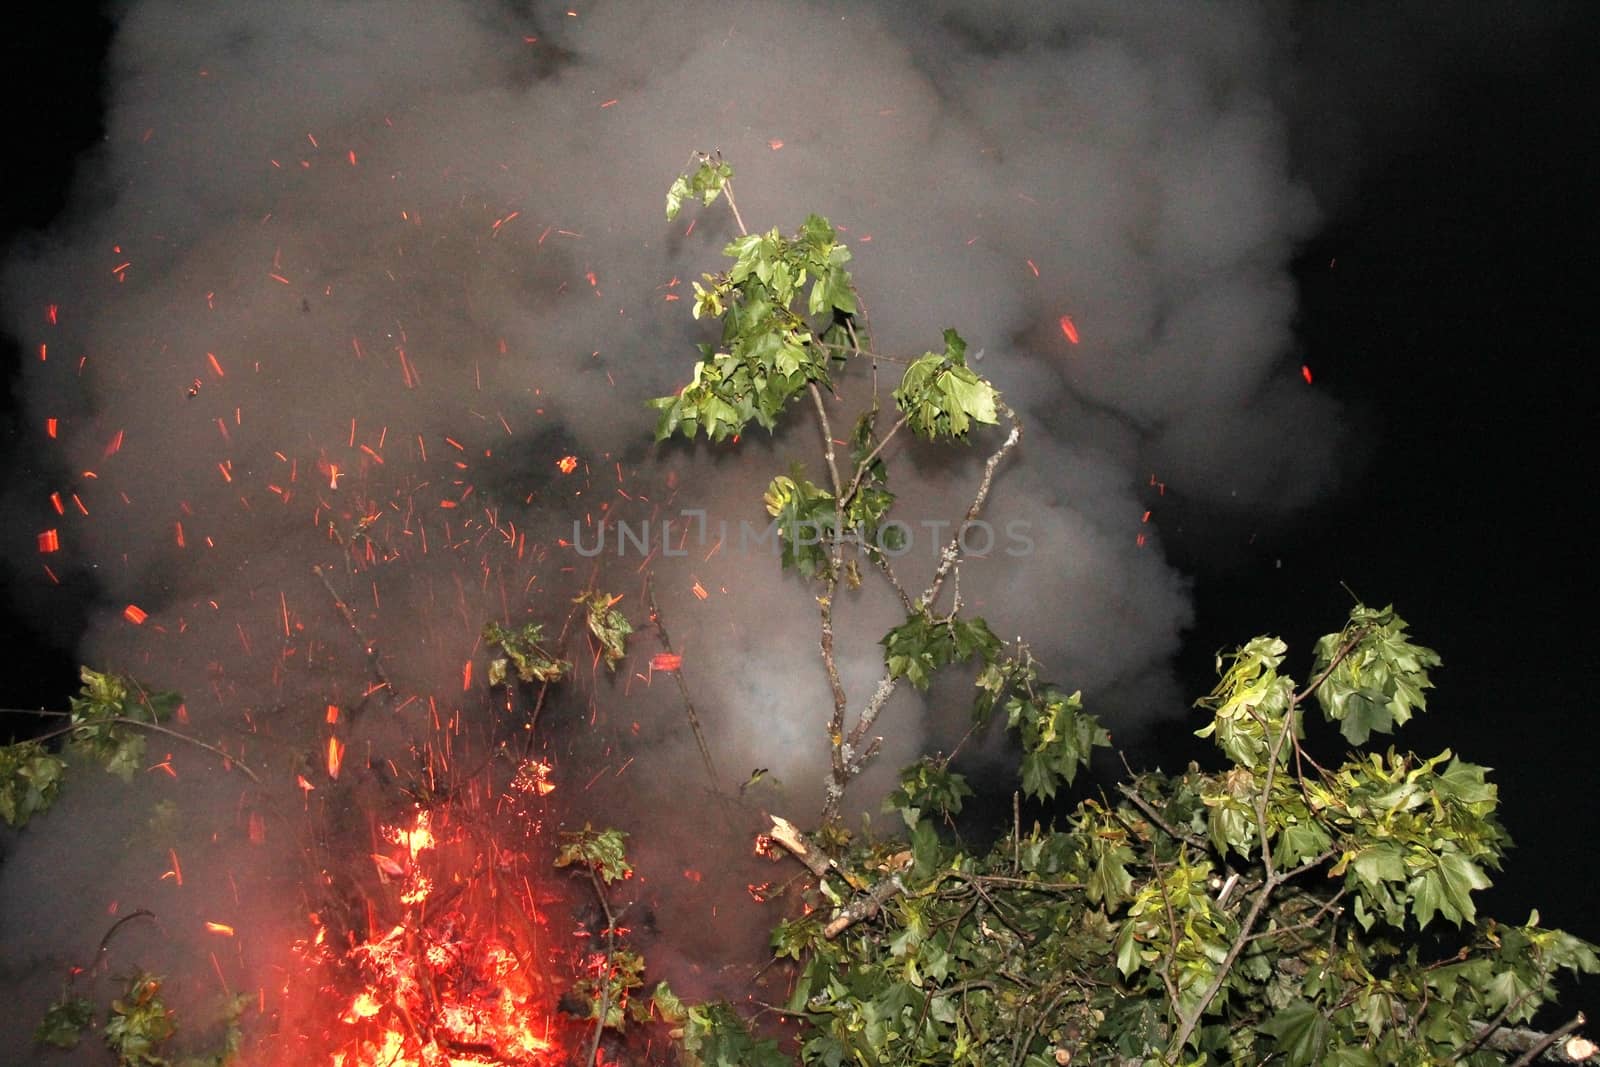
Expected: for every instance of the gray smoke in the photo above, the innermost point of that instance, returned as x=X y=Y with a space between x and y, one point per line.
x=345 y=282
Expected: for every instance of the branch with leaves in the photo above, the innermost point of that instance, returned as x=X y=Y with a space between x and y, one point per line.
x=1273 y=908
x=107 y=722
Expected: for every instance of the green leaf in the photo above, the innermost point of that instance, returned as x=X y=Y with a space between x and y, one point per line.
x=65 y=1022
x=607 y=625
x=715 y=1036
x=30 y=779
x=522 y=646
x=1301 y=1032
x=1375 y=677
x=927 y=786
x=139 y=1023
x=941 y=397
x=604 y=851
x=1447 y=889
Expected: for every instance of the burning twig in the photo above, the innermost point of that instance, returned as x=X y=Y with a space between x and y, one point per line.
x=683 y=691
x=367 y=646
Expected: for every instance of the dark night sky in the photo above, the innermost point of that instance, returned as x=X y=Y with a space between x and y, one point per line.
x=1444 y=303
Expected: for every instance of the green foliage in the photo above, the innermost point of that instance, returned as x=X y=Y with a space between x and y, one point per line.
x=523 y=648
x=139 y=1024
x=1378 y=681
x=713 y=1035
x=705 y=184
x=30 y=778
x=927 y=786
x=602 y=851
x=607 y=625
x=804 y=516
x=609 y=987
x=1263 y=911
x=942 y=396
x=770 y=349
x=64 y=1023
x=1271 y=909
x=1057 y=736
x=105 y=719
x=106 y=723
x=922 y=644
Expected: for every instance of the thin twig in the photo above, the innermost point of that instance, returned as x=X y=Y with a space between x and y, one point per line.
x=683 y=691
x=727 y=191
x=605 y=971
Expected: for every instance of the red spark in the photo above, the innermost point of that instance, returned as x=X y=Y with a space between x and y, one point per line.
x=176 y=874
x=219 y=928
x=49 y=541
x=665 y=661
x=50 y=428
x=55 y=502
x=215 y=366
x=335 y=756
x=466 y=676
x=1069 y=329
x=1034 y=268
x=567 y=464
x=114 y=445
x=333 y=714
x=774 y=144
x=1305 y=372
x=50 y=313
x=135 y=614
x=609 y=103
x=352 y=157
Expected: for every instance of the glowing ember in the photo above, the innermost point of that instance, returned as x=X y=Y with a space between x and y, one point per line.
x=665 y=661
x=134 y=614
x=455 y=982
x=567 y=464
x=1305 y=372
x=533 y=776
x=1069 y=329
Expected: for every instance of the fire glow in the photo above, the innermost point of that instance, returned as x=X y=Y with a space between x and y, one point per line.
x=456 y=969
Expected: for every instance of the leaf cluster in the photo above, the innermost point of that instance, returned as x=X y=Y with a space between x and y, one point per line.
x=1268 y=910
x=106 y=723
x=524 y=648
x=608 y=626
x=943 y=397
x=771 y=348
x=138 y=1024
x=604 y=852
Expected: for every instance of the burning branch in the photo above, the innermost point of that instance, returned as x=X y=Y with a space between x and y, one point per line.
x=683 y=691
